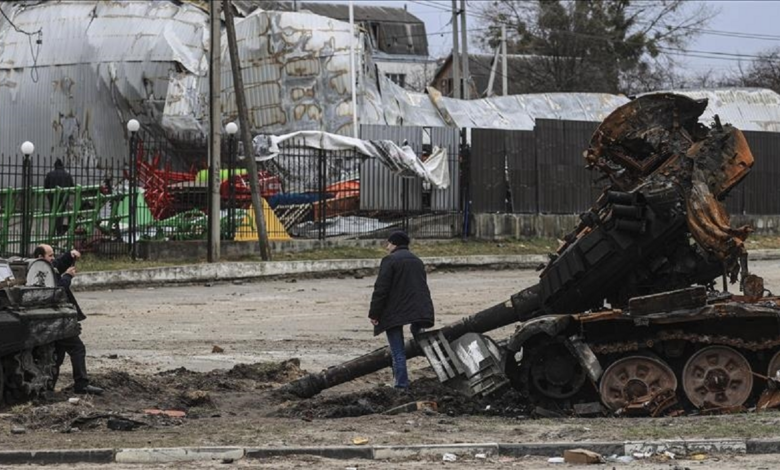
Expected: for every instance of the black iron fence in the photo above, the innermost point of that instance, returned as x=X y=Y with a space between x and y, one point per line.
x=159 y=191
x=68 y=204
x=307 y=193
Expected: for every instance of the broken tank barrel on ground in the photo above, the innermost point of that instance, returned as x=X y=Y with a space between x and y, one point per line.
x=652 y=248
x=521 y=306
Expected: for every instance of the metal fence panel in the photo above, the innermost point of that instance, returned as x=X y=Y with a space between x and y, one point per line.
x=488 y=187
x=760 y=186
x=447 y=199
x=566 y=186
x=521 y=159
x=380 y=189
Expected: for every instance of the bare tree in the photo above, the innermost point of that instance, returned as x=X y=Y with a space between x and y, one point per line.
x=763 y=72
x=595 y=46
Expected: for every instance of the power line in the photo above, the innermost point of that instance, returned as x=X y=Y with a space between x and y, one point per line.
x=735 y=34
x=35 y=52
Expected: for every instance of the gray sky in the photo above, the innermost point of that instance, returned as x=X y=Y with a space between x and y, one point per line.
x=745 y=17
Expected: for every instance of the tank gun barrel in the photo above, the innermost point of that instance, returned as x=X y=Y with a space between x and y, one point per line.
x=521 y=306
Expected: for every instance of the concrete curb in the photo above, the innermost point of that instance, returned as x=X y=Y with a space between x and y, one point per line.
x=50 y=457
x=245 y=270
x=178 y=454
x=680 y=448
x=341 y=453
x=256 y=270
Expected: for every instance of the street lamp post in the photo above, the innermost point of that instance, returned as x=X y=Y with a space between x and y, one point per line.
x=231 y=128
x=24 y=244
x=132 y=127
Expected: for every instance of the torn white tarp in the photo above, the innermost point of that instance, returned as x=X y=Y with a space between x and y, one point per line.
x=401 y=160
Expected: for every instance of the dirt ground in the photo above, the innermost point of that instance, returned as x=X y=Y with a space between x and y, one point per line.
x=218 y=353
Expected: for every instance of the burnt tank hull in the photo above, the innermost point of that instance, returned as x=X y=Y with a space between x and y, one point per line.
x=675 y=351
x=32 y=320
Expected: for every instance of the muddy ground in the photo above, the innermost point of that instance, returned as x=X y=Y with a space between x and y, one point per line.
x=218 y=354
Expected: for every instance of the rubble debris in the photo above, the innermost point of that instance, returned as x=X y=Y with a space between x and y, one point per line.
x=581 y=456
x=545 y=413
x=413 y=406
x=769 y=399
x=651 y=405
x=217 y=350
x=18 y=430
x=123 y=424
x=168 y=413
x=619 y=459
x=448 y=457
x=589 y=409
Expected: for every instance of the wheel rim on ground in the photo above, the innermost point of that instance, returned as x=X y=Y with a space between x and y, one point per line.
x=774 y=366
x=633 y=377
x=717 y=376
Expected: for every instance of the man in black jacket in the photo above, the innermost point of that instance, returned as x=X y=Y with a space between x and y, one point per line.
x=65 y=269
x=401 y=297
x=58 y=178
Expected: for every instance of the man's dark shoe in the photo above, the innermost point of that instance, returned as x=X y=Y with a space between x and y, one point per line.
x=89 y=389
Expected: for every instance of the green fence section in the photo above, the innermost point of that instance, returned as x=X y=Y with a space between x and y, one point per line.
x=86 y=216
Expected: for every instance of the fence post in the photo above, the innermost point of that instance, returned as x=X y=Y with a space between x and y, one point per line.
x=405 y=204
x=465 y=157
x=322 y=178
x=24 y=243
x=231 y=184
x=132 y=126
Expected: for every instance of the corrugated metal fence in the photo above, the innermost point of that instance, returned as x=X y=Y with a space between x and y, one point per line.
x=543 y=171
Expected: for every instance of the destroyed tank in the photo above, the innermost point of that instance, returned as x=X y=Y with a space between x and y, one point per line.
x=34 y=314
x=630 y=313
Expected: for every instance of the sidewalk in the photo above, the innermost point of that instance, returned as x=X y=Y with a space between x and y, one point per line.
x=230 y=271
x=632 y=449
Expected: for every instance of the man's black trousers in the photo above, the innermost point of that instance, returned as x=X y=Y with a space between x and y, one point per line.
x=74 y=348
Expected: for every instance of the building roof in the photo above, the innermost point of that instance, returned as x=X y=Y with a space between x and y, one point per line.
x=337 y=11
x=393 y=30
x=520 y=112
x=747 y=109
x=479 y=70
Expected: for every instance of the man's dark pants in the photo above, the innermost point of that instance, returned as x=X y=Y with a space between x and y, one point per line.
x=74 y=348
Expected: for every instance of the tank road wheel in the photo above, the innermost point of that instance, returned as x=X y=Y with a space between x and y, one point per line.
x=555 y=373
x=774 y=366
x=30 y=372
x=717 y=376
x=633 y=377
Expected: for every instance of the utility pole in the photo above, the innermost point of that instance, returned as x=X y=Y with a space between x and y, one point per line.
x=455 y=53
x=504 y=83
x=215 y=129
x=353 y=85
x=246 y=136
x=465 y=61
x=491 y=79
